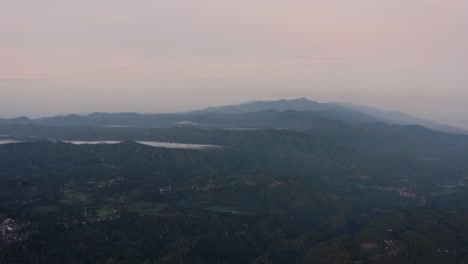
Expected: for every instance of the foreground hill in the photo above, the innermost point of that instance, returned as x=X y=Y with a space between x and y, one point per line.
x=289 y=182
x=334 y=193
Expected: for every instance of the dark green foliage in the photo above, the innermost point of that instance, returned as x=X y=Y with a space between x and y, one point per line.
x=336 y=193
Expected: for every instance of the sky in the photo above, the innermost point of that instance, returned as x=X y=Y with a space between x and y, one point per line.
x=82 y=56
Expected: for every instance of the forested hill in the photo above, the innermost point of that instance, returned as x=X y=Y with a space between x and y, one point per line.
x=272 y=186
x=370 y=192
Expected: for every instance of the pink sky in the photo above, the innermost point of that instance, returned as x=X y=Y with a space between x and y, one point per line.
x=160 y=56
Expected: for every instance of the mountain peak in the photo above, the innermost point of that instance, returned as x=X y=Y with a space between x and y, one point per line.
x=302 y=99
x=298 y=104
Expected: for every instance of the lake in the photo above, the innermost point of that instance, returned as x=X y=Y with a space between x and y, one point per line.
x=158 y=144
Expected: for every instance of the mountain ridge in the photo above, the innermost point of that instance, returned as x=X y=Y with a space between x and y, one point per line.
x=300 y=113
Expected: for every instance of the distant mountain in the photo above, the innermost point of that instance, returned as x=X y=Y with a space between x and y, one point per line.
x=340 y=110
x=301 y=104
x=294 y=114
x=299 y=114
x=398 y=118
x=18 y=120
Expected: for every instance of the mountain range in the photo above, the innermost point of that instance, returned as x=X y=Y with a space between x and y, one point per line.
x=296 y=114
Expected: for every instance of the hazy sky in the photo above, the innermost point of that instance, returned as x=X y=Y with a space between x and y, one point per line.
x=64 y=56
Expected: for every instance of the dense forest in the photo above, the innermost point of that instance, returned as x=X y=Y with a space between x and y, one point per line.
x=337 y=193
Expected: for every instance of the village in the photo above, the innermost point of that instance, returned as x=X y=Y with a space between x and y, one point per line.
x=13 y=231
